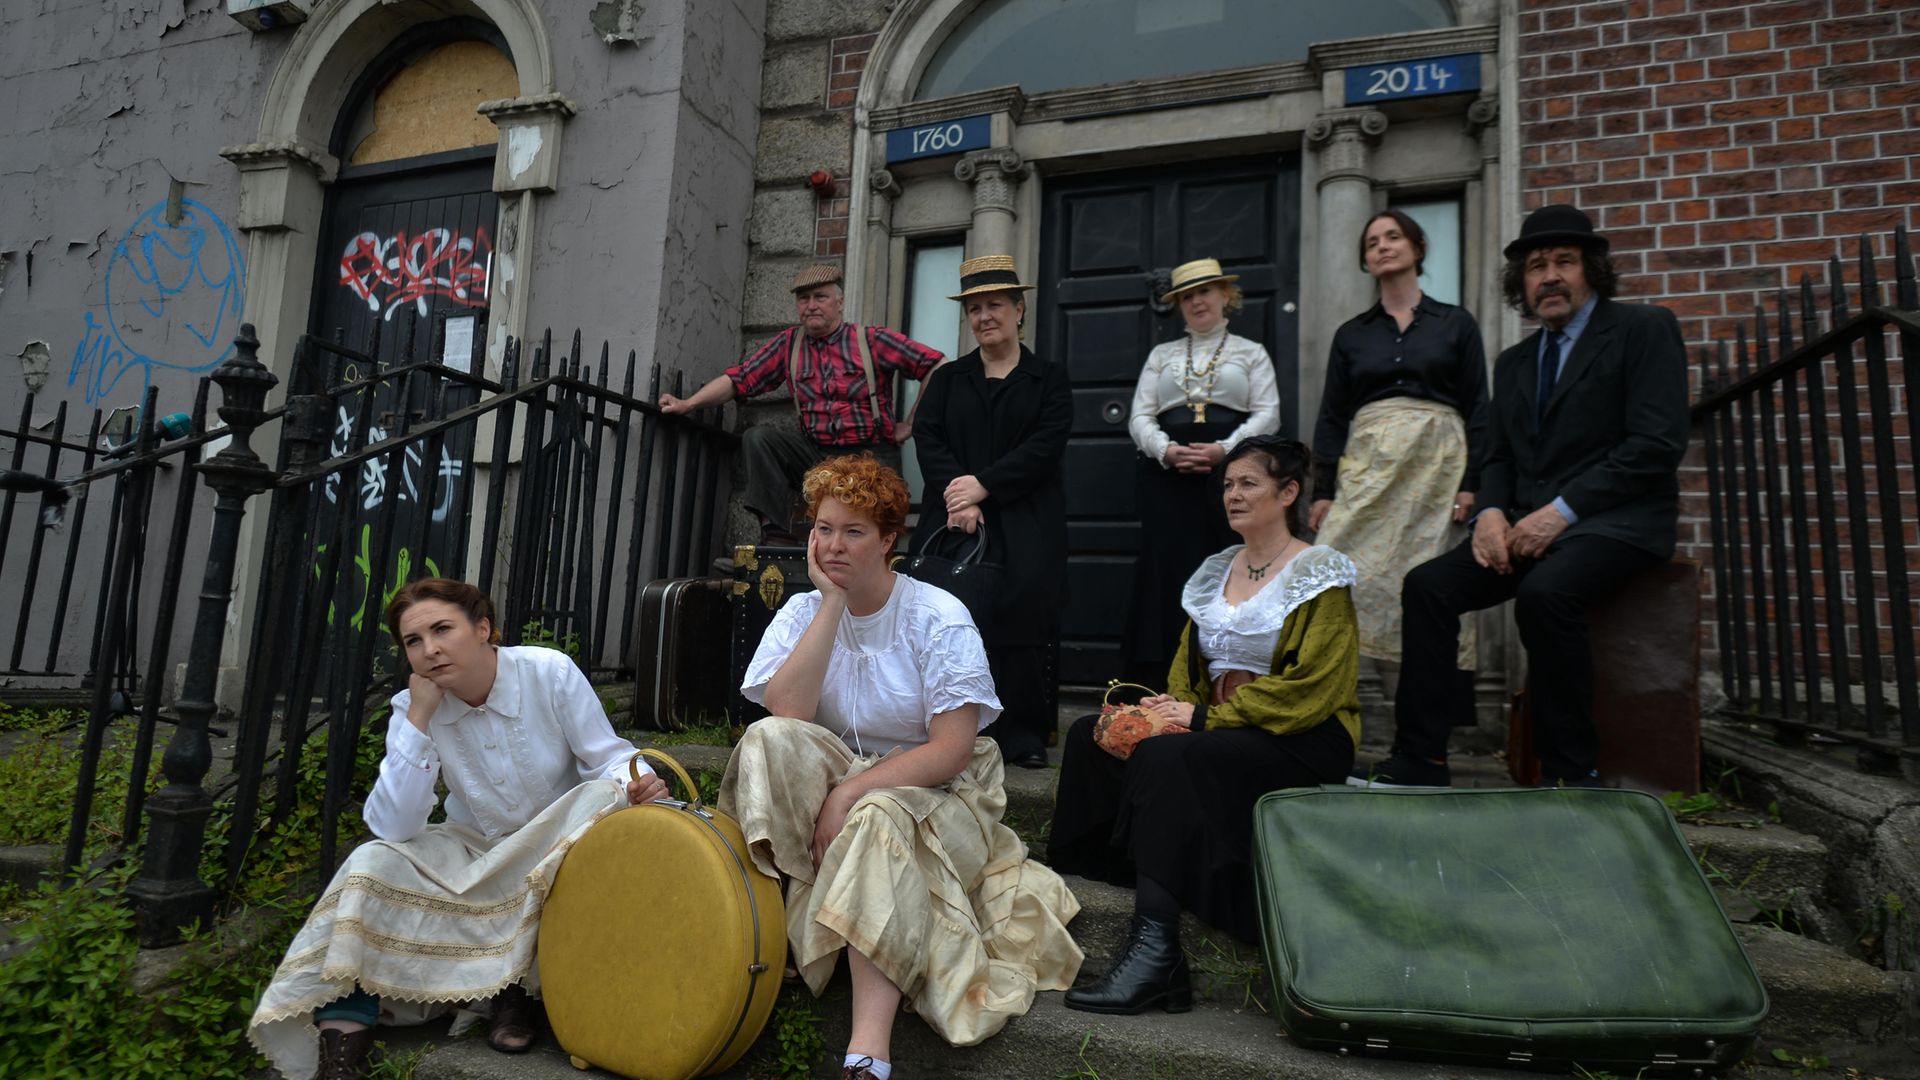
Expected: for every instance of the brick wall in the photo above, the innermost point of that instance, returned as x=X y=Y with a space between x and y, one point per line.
x=1727 y=147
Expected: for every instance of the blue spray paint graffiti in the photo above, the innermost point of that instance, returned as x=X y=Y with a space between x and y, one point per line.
x=174 y=294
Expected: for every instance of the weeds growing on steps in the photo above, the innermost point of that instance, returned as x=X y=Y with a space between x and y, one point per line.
x=68 y=1006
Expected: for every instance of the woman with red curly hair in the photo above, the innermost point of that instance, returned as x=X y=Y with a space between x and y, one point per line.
x=879 y=687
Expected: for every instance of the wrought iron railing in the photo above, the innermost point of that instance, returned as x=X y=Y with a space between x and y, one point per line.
x=1805 y=644
x=556 y=493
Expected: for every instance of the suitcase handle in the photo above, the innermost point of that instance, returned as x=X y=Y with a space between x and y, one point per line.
x=686 y=782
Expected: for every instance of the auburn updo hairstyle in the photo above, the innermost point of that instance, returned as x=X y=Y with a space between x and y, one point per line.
x=862 y=485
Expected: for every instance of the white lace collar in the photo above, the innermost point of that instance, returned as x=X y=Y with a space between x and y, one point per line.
x=1306 y=576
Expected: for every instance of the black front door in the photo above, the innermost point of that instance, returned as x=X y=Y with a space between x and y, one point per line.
x=1108 y=244
x=404 y=276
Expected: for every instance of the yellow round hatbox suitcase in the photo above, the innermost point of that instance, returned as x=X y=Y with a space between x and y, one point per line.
x=661 y=944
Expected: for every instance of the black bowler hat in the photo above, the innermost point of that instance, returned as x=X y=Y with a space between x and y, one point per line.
x=1555 y=224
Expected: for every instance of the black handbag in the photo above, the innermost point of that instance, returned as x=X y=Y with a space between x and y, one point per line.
x=972 y=580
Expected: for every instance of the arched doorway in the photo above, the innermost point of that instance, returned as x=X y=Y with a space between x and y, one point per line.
x=406 y=256
x=1102 y=142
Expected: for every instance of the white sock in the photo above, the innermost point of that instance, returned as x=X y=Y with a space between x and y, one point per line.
x=881 y=1070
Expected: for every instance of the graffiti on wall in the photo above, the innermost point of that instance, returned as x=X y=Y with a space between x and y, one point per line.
x=175 y=287
x=390 y=272
x=376 y=485
x=363 y=572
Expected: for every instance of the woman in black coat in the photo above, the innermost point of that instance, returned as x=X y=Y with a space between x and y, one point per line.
x=990 y=431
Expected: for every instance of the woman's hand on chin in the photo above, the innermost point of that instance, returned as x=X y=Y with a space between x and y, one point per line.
x=817 y=574
x=424 y=698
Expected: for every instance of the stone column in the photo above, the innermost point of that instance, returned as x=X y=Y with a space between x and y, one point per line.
x=994 y=174
x=1501 y=662
x=877 y=244
x=1344 y=139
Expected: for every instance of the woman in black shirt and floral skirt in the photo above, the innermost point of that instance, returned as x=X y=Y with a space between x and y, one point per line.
x=1401 y=434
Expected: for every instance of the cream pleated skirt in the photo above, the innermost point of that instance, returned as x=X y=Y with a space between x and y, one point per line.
x=925 y=882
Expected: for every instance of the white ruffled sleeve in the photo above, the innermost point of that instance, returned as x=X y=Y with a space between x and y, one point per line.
x=954 y=664
x=789 y=623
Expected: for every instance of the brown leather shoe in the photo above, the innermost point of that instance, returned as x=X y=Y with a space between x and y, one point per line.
x=515 y=1022
x=857 y=1071
x=343 y=1054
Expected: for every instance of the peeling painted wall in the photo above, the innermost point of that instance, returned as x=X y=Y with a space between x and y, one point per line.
x=122 y=262
x=116 y=227
x=644 y=243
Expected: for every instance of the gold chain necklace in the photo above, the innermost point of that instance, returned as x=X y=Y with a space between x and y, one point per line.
x=1210 y=373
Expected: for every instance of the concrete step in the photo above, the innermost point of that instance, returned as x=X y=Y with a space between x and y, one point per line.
x=1049 y=1041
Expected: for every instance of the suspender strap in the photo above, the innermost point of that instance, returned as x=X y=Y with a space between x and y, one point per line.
x=861 y=349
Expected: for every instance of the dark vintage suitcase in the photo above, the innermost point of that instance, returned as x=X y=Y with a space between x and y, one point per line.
x=680 y=630
x=1646 y=686
x=1543 y=928
x=661 y=942
x=763 y=578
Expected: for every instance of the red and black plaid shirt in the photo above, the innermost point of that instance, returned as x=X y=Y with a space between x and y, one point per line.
x=832 y=394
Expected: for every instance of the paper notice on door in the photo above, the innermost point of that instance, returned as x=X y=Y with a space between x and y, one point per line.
x=456 y=351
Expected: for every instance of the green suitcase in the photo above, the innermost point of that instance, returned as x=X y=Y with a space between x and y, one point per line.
x=1540 y=928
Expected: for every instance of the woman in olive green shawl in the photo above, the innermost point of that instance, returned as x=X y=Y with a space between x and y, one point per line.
x=1264 y=683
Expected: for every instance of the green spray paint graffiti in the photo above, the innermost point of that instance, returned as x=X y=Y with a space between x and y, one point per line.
x=363 y=562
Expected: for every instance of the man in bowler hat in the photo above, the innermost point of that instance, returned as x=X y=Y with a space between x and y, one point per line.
x=842 y=377
x=1579 y=493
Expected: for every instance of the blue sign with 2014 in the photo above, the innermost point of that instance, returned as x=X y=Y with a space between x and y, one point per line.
x=1413 y=78
x=943 y=137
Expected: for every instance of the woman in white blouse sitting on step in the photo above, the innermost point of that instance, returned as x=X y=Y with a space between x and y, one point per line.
x=429 y=916
x=872 y=796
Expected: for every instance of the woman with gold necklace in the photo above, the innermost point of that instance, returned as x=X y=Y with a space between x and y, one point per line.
x=1198 y=397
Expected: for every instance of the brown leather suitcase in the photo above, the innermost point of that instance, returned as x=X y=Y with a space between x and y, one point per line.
x=763 y=578
x=1646 y=686
x=681 y=630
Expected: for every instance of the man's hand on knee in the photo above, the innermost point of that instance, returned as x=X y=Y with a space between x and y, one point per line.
x=1490 y=542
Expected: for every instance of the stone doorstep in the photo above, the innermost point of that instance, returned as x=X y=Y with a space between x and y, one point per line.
x=1819 y=995
x=1049 y=1041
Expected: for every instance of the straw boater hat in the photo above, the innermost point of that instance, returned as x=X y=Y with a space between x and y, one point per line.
x=814 y=276
x=1195 y=274
x=988 y=273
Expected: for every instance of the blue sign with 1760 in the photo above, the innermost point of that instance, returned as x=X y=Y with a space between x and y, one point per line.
x=943 y=137
x=1413 y=78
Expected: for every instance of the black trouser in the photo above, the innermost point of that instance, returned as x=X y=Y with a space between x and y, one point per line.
x=777 y=457
x=1026 y=707
x=1550 y=595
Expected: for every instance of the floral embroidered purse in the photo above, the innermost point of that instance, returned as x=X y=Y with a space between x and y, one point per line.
x=1121 y=727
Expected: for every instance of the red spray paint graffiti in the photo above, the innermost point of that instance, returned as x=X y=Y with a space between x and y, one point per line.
x=398 y=270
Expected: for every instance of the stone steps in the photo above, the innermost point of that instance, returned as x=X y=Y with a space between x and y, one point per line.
x=1824 y=1002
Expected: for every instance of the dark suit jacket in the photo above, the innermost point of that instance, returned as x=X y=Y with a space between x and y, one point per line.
x=1615 y=429
x=1013 y=444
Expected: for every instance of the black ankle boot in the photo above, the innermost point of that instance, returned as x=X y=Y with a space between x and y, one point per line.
x=343 y=1054
x=1151 y=970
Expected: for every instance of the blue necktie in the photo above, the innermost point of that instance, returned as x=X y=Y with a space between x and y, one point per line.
x=1549 y=370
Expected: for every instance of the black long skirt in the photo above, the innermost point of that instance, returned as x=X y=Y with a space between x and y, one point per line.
x=1181 y=523
x=1180 y=811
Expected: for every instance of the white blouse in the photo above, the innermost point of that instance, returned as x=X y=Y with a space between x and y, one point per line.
x=1242 y=637
x=541 y=733
x=1244 y=381
x=891 y=672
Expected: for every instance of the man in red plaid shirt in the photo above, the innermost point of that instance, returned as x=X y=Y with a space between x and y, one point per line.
x=842 y=378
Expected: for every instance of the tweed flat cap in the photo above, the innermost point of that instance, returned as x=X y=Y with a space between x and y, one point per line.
x=816 y=275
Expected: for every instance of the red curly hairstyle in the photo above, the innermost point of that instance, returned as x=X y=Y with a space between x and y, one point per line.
x=466 y=597
x=861 y=484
